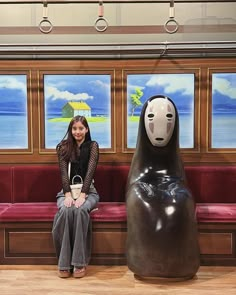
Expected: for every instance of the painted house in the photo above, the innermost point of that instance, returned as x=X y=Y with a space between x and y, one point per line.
x=72 y=109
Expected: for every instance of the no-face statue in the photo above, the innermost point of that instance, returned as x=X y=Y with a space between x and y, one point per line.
x=162 y=238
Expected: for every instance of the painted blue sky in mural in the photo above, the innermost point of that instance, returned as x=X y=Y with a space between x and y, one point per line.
x=13 y=94
x=224 y=92
x=13 y=90
x=13 y=112
x=95 y=90
x=224 y=110
x=179 y=87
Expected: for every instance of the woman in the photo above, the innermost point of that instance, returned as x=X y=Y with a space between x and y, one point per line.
x=72 y=225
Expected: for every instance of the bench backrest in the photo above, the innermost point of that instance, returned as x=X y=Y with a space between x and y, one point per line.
x=6 y=184
x=40 y=183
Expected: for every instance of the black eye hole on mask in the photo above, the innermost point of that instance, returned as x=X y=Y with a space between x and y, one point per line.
x=169 y=116
x=150 y=116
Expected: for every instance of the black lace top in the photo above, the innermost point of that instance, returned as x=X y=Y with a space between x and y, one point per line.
x=84 y=167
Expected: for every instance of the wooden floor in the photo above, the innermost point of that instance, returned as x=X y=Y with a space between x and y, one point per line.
x=102 y=280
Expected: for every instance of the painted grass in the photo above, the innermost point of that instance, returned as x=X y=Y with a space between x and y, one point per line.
x=134 y=118
x=93 y=119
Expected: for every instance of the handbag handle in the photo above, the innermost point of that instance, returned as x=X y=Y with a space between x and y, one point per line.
x=69 y=168
x=81 y=180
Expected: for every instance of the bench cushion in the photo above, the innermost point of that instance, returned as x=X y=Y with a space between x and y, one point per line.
x=107 y=212
x=4 y=207
x=37 y=212
x=217 y=213
x=110 y=212
x=29 y=212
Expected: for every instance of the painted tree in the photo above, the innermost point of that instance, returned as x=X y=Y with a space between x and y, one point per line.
x=135 y=99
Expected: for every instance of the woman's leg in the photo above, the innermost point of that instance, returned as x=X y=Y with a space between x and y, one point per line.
x=82 y=233
x=62 y=233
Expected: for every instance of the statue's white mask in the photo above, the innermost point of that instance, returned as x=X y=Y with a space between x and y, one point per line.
x=159 y=119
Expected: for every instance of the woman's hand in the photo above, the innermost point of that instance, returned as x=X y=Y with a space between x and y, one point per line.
x=69 y=201
x=81 y=199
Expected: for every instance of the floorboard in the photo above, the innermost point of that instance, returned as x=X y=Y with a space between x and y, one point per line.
x=114 y=280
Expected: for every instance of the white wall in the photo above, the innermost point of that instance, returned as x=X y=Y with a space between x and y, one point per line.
x=29 y=15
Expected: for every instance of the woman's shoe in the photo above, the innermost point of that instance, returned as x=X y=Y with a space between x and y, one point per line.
x=79 y=272
x=64 y=273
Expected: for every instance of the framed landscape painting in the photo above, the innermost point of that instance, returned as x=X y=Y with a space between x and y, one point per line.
x=68 y=95
x=178 y=87
x=223 y=114
x=14 y=113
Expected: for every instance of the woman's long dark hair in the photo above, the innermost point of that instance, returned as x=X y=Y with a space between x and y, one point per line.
x=68 y=144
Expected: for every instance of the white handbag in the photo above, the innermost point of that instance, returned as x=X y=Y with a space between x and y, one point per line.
x=75 y=187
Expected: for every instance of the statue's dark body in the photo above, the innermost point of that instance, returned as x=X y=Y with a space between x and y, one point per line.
x=162 y=238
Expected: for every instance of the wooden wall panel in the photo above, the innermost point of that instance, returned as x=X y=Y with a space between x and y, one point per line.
x=29 y=242
x=109 y=242
x=216 y=243
x=24 y=243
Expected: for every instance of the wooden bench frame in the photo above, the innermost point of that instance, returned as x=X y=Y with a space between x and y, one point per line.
x=31 y=243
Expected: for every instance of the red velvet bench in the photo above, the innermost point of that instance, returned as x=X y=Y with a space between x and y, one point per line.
x=29 y=205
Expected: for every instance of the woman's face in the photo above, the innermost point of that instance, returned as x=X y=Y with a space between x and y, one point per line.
x=79 y=131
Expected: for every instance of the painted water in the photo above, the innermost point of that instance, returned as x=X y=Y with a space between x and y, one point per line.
x=14 y=132
x=100 y=131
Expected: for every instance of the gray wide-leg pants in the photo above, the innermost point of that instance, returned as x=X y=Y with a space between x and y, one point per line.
x=72 y=232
